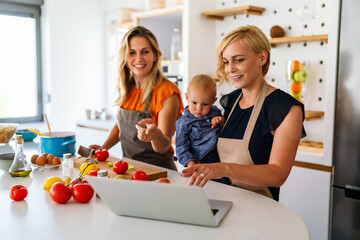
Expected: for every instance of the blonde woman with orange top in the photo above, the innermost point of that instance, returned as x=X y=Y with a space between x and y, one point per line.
x=149 y=104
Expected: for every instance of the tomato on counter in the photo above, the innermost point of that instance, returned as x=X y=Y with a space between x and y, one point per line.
x=60 y=193
x=82 y=192
x=120 y=167
x=140 y=175
x=18 y=192
x=102 y=154
x=76 y=181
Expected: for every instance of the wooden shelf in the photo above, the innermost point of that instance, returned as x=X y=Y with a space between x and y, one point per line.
x=313 y=115
x=171 y=61
x=311 y=147
x=221 y=13
x=159 y=12
x=123 y=25
x=274 y=41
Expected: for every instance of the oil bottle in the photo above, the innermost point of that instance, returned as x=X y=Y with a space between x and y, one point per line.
x=20 y=167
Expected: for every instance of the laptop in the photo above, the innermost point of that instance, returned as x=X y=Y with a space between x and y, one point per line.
x=160 y=201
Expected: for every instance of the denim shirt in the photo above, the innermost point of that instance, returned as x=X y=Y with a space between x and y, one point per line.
x=194 y=136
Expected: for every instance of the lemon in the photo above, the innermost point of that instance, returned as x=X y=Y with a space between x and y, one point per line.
x=121 y=176
x=50 y=181
x=87 y=167
x=67 y=181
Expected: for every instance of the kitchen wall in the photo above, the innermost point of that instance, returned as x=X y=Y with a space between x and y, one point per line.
x=73 y=57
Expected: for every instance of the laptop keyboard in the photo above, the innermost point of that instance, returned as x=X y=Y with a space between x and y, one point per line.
x=214 y=211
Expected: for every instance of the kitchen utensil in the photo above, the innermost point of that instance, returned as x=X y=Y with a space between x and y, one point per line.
x=153 y=172
x=85 y=152
x=58 y=144
x=47 y=122
x=36 y=132
x=26 y=134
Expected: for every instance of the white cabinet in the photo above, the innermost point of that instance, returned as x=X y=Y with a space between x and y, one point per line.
x=307 y=193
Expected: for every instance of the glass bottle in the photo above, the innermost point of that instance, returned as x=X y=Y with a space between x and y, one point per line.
x=20 y=167
x=67 y=165
x=175 y=50
x=102 y=174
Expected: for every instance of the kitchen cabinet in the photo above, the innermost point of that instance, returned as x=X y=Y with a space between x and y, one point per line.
x=307 y=192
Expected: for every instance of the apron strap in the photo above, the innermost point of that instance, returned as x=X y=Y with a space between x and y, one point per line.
x=147 y=102
x=256 y=110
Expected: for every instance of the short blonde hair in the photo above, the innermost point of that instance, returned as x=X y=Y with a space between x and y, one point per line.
x=124 y=75
x=256 y=39
x=204 y=81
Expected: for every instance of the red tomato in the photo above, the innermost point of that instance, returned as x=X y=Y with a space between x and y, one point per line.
x=76 y=181
x=92 y=173
x=18 y=192
x=120 y=167
x=102 y=154
x=83 y=192
x=140 y=175
x=60 y=193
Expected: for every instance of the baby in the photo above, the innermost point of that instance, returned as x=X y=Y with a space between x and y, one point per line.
x=199 y=126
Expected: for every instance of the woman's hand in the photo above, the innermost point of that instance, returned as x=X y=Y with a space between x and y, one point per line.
x=94 y=146
x=149 y=133
x=201 y=173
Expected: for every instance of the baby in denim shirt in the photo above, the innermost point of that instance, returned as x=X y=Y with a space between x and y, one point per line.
x=199 y=126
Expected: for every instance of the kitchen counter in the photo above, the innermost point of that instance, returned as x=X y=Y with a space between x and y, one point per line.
x=252 y=216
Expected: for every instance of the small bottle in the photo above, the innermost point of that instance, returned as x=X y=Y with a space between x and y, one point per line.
x=20 y=167
x=67 y=165
x=175 y=50
x=101 y=174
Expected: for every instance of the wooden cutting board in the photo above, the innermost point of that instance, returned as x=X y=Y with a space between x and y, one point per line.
x=153 y=172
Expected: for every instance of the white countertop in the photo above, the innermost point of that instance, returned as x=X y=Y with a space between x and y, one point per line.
x=252 y=216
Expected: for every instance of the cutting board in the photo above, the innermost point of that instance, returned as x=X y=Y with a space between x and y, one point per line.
x=153 y=172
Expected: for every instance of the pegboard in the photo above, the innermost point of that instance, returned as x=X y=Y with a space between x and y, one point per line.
x=315 y=53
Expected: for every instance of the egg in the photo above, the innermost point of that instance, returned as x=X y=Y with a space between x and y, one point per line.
x=56 y=161
x=41 y=161
x=49 y=158
x=33 y=158
x=44 y=155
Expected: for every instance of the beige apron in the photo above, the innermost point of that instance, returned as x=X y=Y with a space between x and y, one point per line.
x=237 y=150
x=132 y=147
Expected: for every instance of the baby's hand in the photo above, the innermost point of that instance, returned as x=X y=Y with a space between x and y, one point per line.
x=218 y=120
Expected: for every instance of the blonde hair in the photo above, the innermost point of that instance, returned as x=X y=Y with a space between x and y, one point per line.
x=256 y=39
x=204 y=81
x=124 y=74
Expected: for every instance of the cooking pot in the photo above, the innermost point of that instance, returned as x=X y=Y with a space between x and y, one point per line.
x=58 y=144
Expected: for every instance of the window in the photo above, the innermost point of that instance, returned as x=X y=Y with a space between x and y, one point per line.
x=20 y=72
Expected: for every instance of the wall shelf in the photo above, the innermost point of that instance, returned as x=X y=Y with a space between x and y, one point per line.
x=221 y=13
x=313 y=115
x=311 y=147
x=274 y=41
x=159 y=13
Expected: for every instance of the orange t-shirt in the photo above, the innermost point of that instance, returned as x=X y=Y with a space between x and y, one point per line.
x=162 y=92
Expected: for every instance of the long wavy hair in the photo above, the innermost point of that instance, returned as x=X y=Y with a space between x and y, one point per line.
x=124 y=74
x=256 y=39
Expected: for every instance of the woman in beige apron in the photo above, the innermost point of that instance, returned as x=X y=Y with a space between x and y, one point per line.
x=270 y=119
x=146 y=97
